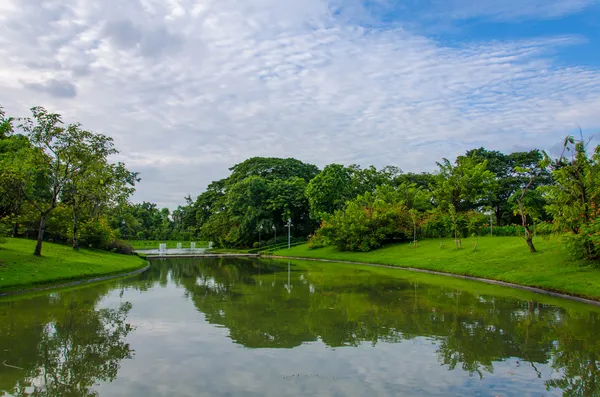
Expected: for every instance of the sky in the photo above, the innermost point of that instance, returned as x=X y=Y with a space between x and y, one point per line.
x=189 y=88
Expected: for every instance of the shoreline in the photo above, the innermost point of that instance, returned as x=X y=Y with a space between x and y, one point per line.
x=537 y=290
x=88 y=280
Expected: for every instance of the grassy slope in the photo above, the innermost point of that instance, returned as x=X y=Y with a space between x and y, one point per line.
x=148 y=244
x=20 y=269
x=498 y=258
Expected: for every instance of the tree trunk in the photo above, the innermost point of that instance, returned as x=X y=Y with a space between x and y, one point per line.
x=38 y=246
x=528 y=236
x=75 y=241
x=498 y=213
x=528 y=239
x=15 y=231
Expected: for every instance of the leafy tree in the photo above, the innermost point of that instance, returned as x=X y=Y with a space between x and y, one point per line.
x=465 y=185
x=574 y=198
x=64 y=154
x=509 y=181
x=526 y=202
x=329 y=190
x=369 y=220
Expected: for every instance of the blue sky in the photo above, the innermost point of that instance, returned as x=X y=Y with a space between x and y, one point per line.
x=188 y=88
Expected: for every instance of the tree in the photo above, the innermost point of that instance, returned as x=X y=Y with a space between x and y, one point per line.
x=64 y=154
x=329 y=190
x=525 y=203
x=574 y=198
x=508 y=181
x=465 y=185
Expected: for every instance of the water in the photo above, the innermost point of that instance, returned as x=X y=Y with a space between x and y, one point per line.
x=172 y=251
x=240 y=327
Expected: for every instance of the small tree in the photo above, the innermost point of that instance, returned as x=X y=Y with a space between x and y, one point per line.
x=63 y=154
x=574 y=198
x=525 y=199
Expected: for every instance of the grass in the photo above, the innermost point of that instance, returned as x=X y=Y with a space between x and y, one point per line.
x=497 y=258
x=153 y=244
x=19 y=269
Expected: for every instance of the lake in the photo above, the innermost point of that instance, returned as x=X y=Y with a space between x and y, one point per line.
x=245 y=327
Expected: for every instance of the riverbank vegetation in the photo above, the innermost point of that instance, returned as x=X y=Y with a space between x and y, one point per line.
x=19 y=269
x=482 y=192
x=57 y=183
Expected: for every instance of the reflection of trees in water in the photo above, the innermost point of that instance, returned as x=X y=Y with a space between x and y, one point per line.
x=352 y=307
x=62 y=344
x=577 y=356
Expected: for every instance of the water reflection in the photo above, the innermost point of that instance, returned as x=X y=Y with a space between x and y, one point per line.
x=63 y=346
x=495 y=341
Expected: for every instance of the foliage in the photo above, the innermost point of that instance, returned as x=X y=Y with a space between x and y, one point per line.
x=465 y=185
x=120 y=247
x=260 y=192
x=574 y=199
x=329 y=190
x=367 y=222
x=97 y=234
x=320 y=238
x=3 y=233
x=58 y=178
x=509 y=181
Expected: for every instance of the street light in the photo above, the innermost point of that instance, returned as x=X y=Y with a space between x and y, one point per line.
x=259 y=232
x=289 y=226
x=275 y=230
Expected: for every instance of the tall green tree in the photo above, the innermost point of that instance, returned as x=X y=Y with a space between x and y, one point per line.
x=574 y=198
x=64 y=153
x=509 y=180
x=329 y=190
x=465 y=185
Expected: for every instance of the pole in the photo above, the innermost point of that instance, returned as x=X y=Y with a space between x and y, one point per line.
x=289 y=226
x=259 y=232
x=491 y=225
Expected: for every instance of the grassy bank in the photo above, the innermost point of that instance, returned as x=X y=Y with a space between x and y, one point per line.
x=153 y=244
x=497 y=258
x=19 y=269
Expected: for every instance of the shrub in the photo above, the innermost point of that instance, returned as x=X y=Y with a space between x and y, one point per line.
x=367 y=222
x=96 y=234
x=120 y=247
x=320 y=238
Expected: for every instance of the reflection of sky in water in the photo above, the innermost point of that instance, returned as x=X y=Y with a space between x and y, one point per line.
x=179 y=354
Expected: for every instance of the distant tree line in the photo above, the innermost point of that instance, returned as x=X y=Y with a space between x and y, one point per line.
x=56 y=182
x=360 y=209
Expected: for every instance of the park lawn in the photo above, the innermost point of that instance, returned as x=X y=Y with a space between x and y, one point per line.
x=153 y=244
x=19 y=269
x=496 y=258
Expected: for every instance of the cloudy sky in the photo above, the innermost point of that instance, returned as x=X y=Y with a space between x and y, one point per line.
x=189 y=88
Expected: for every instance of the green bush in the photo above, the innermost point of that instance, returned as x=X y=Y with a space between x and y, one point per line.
x=367 y=222
x=319 y=239
x=96 y=234
x=120 y=247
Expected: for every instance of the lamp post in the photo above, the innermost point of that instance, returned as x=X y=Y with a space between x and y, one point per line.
x=275 y=230
x=259 y=232
x=289 y=226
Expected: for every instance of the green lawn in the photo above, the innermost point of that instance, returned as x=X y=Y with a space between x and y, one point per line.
x=19 y=269
x=498 y=258
x=153 y=244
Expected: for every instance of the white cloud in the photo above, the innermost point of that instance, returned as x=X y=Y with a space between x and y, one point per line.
x=188 y=89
